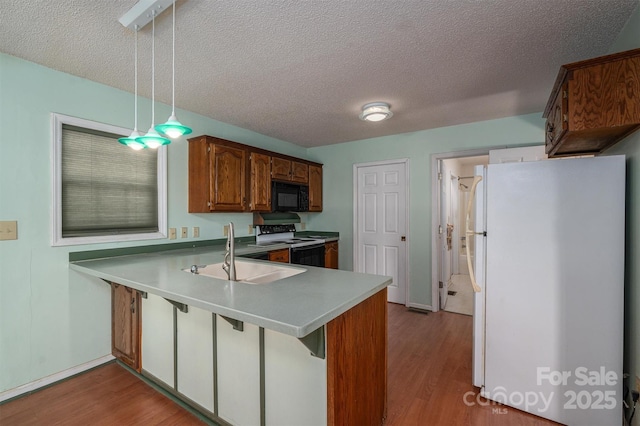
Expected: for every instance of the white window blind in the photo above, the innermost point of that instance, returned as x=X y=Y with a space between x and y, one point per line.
x=107 y=188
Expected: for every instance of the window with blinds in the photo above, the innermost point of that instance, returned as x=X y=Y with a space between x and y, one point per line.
x=107 y=188
x=104 y=191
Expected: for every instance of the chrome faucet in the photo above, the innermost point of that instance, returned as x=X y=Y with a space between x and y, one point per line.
x=229 y=264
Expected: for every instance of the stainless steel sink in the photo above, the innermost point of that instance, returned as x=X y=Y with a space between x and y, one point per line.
x=250 y=272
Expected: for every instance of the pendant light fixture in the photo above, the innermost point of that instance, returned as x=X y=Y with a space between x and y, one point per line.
x=152 y=139
x=131 y=141
x=173 y=128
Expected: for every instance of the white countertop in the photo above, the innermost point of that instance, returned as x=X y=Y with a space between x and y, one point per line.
x=296 y=305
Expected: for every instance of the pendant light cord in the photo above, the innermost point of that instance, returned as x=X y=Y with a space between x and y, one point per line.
x=173 y=60
x=153 y=70
x=135 y=85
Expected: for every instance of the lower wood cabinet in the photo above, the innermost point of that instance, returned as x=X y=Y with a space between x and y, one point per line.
x=331 y=255
x=125 y=325
x=281 y=256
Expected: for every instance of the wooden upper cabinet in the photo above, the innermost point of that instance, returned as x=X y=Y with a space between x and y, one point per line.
x=228 y=184
x=315 y=188
x=593 y=105
x=126 y=329
x=289 y=170
x=227 y=176
x=217 y=175
x=299 y=172
x=280 y=168
x=260 y=182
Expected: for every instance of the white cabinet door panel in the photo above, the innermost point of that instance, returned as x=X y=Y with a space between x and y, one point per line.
x=295 y=383
x=157 y=338
x=238 y=373
x=195 y=356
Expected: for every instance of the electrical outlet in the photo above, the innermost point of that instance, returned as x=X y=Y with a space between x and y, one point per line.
x=250 y=229
x=303 y=226
x=196 y=232
x=9 y=230
x=185 y=232
x=172 y=233
x=225 y=230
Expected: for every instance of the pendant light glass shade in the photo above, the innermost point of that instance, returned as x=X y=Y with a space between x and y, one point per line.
x=173 y=128
x=152 y=139
x=132 y=141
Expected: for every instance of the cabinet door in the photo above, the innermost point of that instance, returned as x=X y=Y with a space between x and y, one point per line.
x=238 y=357
x=228 y=182
x=299 y=172
x=157 y=339
x=260 y=183
x=280 y=168
x=331 y=255
x=315 y=189
x=195 y=356
x=125 y=325
x=281 y=256
x=556 y=125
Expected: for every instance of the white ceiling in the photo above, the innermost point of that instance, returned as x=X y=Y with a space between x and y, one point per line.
x=300 y=70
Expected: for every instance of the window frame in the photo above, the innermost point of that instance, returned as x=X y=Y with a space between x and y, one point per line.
x=57 y=120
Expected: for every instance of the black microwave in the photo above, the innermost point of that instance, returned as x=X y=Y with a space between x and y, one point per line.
x=286 y=197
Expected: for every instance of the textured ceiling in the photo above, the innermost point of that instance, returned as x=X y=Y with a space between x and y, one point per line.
x=300 y=71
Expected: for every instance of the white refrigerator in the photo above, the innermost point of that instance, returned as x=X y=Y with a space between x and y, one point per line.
x=549 y=267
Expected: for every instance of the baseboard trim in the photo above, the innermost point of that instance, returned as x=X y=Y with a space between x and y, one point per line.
x=419 y=307
x=48 y=380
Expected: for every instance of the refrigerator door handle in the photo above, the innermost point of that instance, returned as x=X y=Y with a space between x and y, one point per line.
x=471 y=232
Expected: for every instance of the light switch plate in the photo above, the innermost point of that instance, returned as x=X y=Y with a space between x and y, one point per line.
x=303 y=226
x=250 y=229
x=185 y=232
x=225 y=230
x=196 y=232
x=9 y=230
x=172 y=233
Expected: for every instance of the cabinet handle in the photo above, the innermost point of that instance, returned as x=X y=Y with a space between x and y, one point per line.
x=550 y=128
x=133 y=305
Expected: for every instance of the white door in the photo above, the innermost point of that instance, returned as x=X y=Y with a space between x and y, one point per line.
x=380 y=243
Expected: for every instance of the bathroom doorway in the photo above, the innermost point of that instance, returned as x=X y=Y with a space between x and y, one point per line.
x=455 y=177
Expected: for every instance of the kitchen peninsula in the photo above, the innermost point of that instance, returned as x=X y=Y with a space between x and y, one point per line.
x=307 y=349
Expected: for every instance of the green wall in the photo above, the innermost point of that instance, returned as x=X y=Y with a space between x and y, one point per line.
x=418 y=147
x=628 y=39
x=51 y=318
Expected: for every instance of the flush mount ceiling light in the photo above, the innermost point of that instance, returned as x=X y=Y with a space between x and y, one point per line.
x=376 y=111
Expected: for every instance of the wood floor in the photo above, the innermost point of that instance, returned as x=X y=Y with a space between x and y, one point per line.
x=105 y=396
x=429 y=370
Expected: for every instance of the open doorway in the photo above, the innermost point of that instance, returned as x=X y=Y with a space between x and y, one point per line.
x=454 y=172
x=456 y=294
